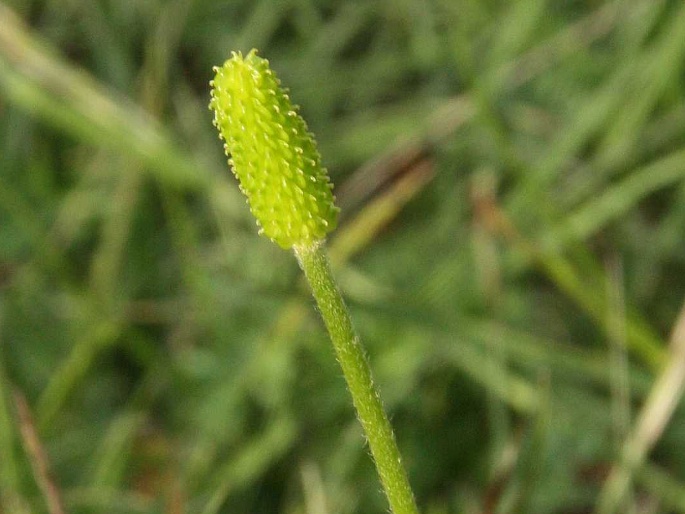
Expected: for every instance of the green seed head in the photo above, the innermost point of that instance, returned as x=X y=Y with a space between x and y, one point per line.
x=271 y=152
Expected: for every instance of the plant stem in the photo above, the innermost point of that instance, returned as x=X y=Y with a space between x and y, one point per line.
x=355 y=366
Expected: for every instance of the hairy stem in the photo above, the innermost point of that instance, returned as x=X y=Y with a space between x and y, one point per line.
x=355 y=366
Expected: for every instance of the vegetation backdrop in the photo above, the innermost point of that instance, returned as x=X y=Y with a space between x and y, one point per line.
x=512 y=184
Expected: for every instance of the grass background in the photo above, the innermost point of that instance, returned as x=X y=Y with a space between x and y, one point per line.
x=511 y=247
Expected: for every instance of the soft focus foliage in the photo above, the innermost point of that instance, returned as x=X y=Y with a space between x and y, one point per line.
x=511 y=244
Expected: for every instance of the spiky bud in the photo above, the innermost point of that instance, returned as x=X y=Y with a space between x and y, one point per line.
x=272 y=153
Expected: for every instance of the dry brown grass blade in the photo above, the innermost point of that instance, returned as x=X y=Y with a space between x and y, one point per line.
x=650 y=424
x=38 y=456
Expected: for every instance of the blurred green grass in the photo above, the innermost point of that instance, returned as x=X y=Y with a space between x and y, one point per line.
x=511 y=178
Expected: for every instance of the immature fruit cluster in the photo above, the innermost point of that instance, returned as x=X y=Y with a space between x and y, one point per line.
x=271 y=153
